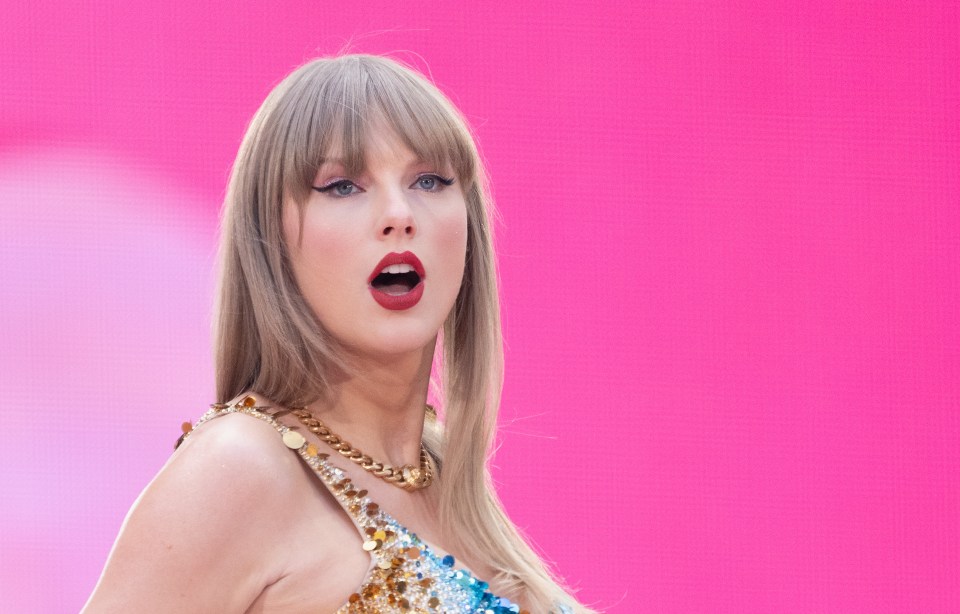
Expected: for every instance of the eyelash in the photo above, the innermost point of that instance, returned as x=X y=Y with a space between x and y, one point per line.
x=444 y=181
x=323 y=189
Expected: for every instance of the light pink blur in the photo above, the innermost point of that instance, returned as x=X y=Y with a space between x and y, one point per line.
x=730 y=258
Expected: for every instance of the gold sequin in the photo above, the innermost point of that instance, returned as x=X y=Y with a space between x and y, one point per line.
x=186 y=427
x=393 y=584
x=293 y=439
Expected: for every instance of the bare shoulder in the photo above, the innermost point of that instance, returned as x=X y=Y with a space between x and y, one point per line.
x=225 y=466
x=201 y=535
x=234 y=444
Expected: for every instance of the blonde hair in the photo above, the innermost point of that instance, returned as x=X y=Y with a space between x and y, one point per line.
x=269 y=340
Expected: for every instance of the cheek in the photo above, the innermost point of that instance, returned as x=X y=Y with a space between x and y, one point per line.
x=452 y=233
x=455 y=233
x=316 y=255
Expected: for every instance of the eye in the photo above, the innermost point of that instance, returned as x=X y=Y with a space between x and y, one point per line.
x=340 y=188
x=431 y=183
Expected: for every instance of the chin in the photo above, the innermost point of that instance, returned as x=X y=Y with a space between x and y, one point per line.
x=395 y=343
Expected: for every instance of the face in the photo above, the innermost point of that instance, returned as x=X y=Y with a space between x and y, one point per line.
x=381 y=255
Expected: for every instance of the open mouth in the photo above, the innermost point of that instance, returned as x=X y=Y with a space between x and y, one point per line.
x=396 y=279
x=396 y=283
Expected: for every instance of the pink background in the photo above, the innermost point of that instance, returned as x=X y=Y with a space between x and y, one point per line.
x=730 y=257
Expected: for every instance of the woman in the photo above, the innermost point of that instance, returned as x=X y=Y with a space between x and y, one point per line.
x=357 y=260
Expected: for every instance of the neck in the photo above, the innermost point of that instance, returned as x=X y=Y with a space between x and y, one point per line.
x=379 y=405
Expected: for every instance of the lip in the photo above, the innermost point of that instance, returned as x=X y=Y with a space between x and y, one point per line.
x=398 y=302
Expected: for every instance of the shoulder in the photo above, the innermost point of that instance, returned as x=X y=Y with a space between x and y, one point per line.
x=203 y=534
x=225 y=464
x=233 y=445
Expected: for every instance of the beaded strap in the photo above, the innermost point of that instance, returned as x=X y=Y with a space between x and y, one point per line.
x=405 y=573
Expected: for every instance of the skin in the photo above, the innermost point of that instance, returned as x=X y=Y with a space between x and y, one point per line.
x=234 y=522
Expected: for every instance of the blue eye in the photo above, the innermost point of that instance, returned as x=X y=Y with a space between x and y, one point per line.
x=339 y=188
x=431 y=183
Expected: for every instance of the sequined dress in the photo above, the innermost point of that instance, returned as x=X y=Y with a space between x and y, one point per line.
x=406 y=575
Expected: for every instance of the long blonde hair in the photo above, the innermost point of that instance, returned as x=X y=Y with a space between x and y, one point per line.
x=269 y=340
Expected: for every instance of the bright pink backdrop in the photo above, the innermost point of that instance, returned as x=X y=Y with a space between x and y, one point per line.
x=730 y=258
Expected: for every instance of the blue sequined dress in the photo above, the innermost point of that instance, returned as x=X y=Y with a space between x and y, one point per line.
x=406 y=575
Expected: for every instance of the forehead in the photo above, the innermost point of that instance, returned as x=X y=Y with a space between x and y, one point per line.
x=381 y=145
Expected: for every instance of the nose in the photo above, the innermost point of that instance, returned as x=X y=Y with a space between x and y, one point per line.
x=397 y=216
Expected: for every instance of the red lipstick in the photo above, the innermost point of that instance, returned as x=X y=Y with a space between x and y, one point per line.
x=408 y=287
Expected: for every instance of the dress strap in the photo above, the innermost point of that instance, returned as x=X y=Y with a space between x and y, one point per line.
x=405 y=573
x=362 y=511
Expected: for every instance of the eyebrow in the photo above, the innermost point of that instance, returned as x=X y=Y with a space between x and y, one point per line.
x=340 y=163
x=416 y=160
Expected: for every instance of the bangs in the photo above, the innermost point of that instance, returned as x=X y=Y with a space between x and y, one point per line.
x=332 y=104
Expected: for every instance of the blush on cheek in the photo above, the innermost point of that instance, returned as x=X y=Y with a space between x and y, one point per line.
x=452 y=230
x=452 y=244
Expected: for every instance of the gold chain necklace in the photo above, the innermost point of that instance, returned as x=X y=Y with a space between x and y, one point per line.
x=407 y=477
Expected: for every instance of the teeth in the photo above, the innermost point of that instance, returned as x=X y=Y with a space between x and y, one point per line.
x=396 y=269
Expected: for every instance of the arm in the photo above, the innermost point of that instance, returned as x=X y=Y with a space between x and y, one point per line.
x=202 y=537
